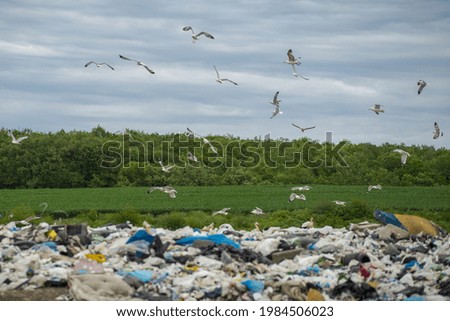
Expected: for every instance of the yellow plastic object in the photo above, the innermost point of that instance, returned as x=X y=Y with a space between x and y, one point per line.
x=417 y=224
x=100 y=258
x=314 y=295
x=52 y=235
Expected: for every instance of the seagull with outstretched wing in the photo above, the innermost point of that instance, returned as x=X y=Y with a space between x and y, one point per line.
x=139 y=63
x=195 y=36
x=98 y=64
x=293 y=61
x=221 y=80
x=303 y=128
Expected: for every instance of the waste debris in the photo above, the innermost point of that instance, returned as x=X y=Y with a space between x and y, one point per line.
x=399 y=259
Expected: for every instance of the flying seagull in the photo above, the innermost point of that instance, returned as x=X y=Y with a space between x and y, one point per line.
x=404 y=155
x=377 y=109
x=340 y=203
x=292 y=60
x=303 y=129
x=294 y=197
x=257 y=211
x=166 y=189
x=276 y=111
x=437 y=131
x=98 y=64
x=166 y=168
x=223 y=211
x=371 y=187
x=192 y=157
x=195 y=36
x=276 y=102
x=18 y=140
x=205 y=141
x=139 y=63
x=220 y=80
x=421 y=83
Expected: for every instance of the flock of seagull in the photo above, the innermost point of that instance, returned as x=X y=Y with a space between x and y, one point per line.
x=294 y=62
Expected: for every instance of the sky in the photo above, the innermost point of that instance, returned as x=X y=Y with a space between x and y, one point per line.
x=355 y=54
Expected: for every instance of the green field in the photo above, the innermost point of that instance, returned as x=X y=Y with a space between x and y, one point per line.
x=193 y=205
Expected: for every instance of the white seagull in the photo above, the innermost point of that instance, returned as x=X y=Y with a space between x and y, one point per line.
x=303 y=128
x=308 y=224
x=223 y=211
x=205 y=141
x=166 y=168
x=301 y=188
x=292 y=60
x=18 y=140
x=421 y=83
x=377 y=109
x=195 y=36
x=192 y=157
x=257 y=211
x=139 y=63
x=276 y=102
x=371 y=187
x=340 y=203
x=404 y=155
x=166 y=189
x=220 y=80
x=276 y=111
x=98 y=64
x=294 y=197
x=437 y=131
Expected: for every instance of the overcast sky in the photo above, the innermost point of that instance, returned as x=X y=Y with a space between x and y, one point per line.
x=356 y=54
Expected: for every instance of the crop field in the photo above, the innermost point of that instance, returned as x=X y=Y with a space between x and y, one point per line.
x=194 y=204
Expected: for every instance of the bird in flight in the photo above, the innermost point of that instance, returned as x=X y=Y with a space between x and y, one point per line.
x=303 y=129
x=371 y=187
x=192 y=157
x=205 y=141
x=98 y=64
x=276 y=111
x=139 y=63
x=223 y=211
x=404 y=155
x=18 y=140
x=276 y=102
x=166 y=189
x=166 y=168
x=437 y=131
x=292 y=60
x=377 y=109
x=195 y=36
x=421 y=83
x=220 y=80
x=294 y=197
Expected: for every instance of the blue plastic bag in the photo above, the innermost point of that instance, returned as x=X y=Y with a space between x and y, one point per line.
x=216 y=238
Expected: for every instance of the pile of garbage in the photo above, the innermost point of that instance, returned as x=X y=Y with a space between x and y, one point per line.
x=400 y=258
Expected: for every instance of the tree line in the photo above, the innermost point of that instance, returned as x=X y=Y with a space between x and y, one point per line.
x=99 y=158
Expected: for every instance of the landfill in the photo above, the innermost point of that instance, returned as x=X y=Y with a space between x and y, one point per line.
x=397 y=259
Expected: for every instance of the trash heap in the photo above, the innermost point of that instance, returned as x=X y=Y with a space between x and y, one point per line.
x=366 y=261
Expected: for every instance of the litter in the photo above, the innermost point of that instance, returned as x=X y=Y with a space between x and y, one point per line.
x=366 y=261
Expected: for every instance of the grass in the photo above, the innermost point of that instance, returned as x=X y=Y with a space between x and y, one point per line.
x=193 y=205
